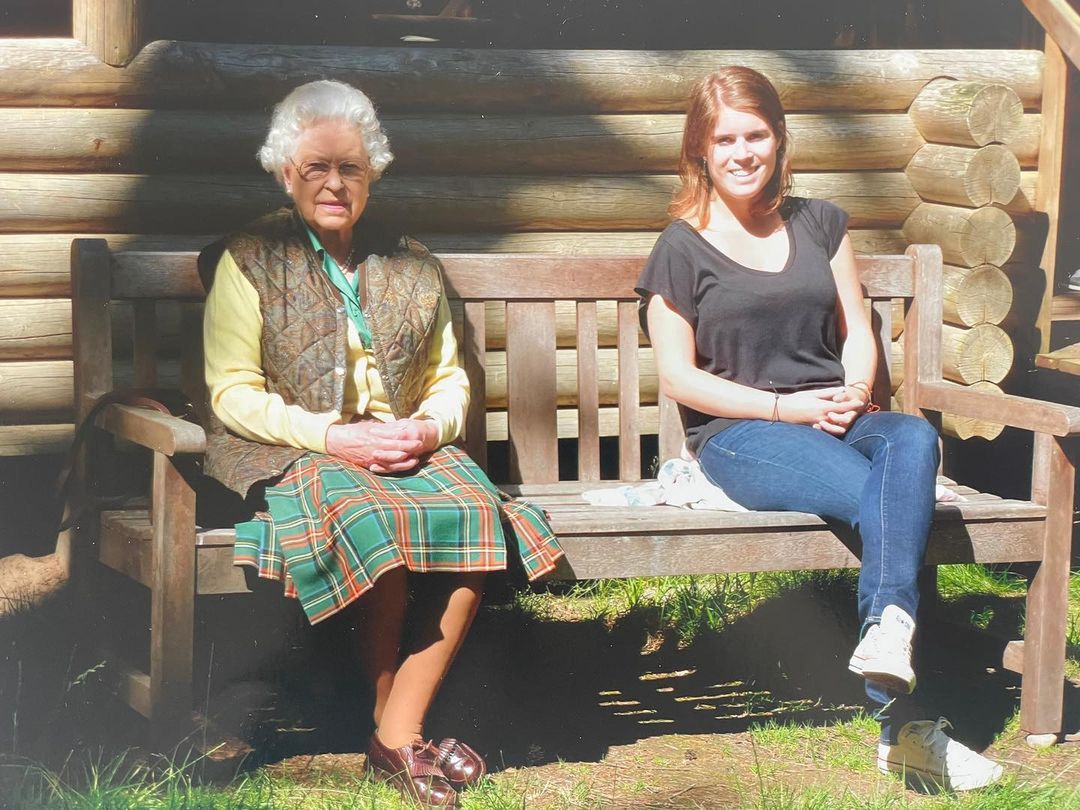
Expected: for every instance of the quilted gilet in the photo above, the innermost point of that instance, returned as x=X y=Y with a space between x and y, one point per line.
x=304 y=339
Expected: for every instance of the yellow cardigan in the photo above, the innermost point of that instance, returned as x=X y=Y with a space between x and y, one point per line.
x=232 y=327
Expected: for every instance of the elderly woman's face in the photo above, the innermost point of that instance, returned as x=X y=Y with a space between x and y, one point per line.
x=327 y=176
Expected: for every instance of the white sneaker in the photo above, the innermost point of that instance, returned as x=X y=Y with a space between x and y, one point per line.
x=884 y=654
x=930 y=760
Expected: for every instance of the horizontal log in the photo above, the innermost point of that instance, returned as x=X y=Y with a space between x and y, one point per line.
x=983 y=352
x=975 y=295
x=174 y=141
x=960 y=175
x=607 y=377
x=586 y=243
x=1026 y=144
x=39 y=264
x=62 y=73
x=966 y=427
x=967 y=237
x=967 y=113
x=567 y=419
x=28 y=440
x=36 y=329
x=99 y=202
x=565 y=324
x=37 y=392
x=33 y=264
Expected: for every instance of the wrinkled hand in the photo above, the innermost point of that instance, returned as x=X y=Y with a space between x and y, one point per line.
x=838 y=421
x=383 y=447
x=828 y=409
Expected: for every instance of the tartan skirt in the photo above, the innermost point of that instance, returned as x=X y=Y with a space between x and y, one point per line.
x=332 y=528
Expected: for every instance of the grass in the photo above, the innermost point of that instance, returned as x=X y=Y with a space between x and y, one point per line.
x=839 y=754
x=686 y=605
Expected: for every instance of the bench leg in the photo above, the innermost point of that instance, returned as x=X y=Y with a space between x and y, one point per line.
x=172 y=601
x=1047 y=602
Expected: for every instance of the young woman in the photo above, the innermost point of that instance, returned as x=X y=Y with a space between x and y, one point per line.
x=756 y=317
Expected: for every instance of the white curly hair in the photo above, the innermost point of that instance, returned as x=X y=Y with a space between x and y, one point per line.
x=318 y=101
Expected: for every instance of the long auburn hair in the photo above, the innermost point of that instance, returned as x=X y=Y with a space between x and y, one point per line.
x=743 y=89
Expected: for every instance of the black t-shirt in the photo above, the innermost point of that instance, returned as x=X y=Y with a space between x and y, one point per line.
x=770 y=331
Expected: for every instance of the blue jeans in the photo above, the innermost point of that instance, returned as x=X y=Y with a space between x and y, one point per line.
x=878 y=479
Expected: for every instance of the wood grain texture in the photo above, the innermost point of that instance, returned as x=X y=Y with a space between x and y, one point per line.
x=169 y=74
x=967 y=237
x=531 y=391
x=958 y=175
x=202 y=203
x=204 y=141
x=1020 y=412
x=92 y=336
x=474 y=340
x=588 y=392
x=111 y=29
x=966 y=427
x=38 y=264
x=975 y=295
x=629 y=396
x=1048 y=599
x=172 y=595
x=1061 y=21
x=968 y=113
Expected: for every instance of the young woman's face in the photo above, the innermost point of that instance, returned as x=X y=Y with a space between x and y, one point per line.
x=741 y=157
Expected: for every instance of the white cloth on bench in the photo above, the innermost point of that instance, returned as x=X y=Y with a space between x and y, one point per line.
x=683 y=483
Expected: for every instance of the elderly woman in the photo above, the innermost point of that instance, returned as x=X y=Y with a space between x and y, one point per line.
x=332 y=373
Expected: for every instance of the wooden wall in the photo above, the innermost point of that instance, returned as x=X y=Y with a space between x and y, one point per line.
x=552 y=151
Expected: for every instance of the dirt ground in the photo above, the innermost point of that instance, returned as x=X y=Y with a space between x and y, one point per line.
x=578 y=714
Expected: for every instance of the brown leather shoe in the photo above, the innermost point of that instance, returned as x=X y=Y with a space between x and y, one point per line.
x=413 y=770
x=461 y=764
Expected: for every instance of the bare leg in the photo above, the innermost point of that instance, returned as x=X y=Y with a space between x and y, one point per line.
x=442 y=626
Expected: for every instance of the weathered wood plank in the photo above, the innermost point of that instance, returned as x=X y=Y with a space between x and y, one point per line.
x=172 y=593
x=474 y=340
x=588 y=393
x=629 y=396
x=531 y=391
x=56 y=72
x=483 y=277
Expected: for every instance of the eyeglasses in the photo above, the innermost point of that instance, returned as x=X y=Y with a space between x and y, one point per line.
x=317 y=170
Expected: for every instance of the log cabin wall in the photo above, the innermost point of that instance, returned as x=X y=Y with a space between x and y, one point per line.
x=561 y=151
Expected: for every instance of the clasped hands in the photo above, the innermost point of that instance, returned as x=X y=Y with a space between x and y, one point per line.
x=383 y=447
x=832 y=410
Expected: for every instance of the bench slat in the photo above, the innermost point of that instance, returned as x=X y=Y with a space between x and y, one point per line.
x=480 y=276
x=629 y=395
x=145 y=343
x=588 y=393
x=532 y=400
x=474 y=340
x=192 y=369
x=881 y=317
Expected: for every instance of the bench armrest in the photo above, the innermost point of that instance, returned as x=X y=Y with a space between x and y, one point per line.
x=157 y=431
x=1035 y=415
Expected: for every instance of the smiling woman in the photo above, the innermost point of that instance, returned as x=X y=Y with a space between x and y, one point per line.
x=756 y=318
x=332 y=372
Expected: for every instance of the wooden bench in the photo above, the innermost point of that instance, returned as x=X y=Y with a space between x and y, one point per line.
x=517 y=399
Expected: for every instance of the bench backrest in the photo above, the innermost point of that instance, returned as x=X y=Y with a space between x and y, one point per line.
x=551 y=344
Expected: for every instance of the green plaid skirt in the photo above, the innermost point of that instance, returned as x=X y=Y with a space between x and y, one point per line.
x=332 y=528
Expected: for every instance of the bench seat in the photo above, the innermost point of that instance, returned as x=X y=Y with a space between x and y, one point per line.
x=614 y=542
